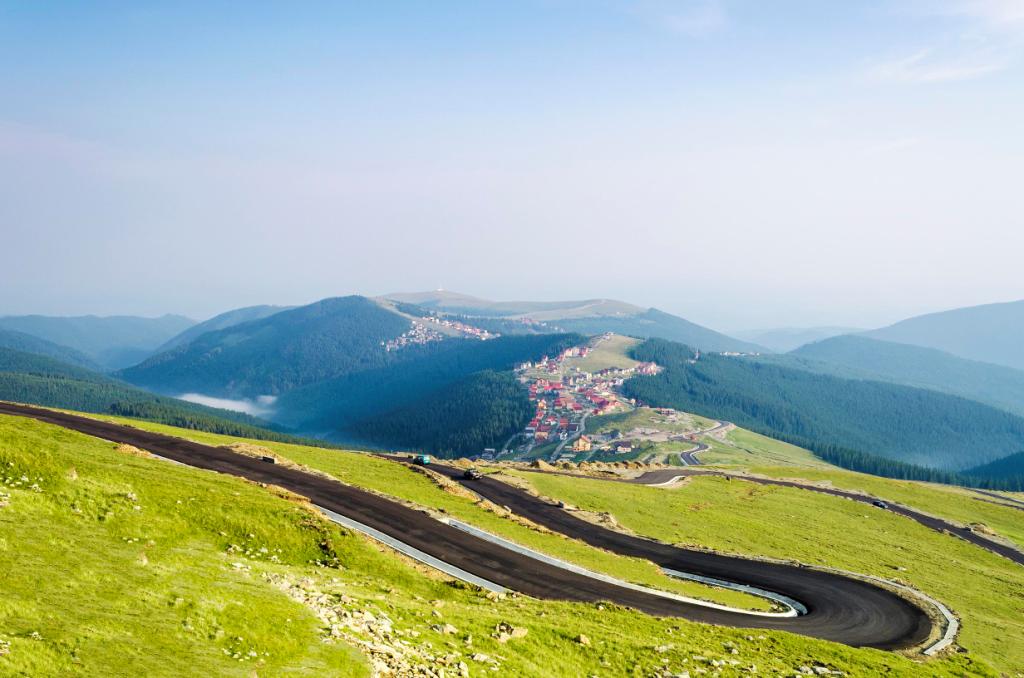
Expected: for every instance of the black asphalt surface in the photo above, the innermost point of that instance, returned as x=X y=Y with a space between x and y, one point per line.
x=839 y=609
x=689 y=459
x=665 y=475
x=1013 y=503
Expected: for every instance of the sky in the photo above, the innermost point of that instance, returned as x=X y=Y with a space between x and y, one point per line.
x=741 y=163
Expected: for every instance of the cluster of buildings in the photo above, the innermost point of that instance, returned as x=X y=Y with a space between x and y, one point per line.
x=417 y=334
x=556 y=365
x=564 y=397
x=464 y=329
x=427 y=330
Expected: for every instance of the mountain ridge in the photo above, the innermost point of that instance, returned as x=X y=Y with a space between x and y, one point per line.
x=990 y=333
x=112 y=342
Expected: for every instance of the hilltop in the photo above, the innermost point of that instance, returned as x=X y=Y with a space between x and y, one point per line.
x=588 y=316
x=276 y=353
x=219 y=322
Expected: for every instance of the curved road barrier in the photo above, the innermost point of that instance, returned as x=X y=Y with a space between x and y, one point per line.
x=793 y=608
x=839 y=608
x=859 y=612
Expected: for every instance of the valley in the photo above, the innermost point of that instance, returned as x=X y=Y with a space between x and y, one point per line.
x=620 y=476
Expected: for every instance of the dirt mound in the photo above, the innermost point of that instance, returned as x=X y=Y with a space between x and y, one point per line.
x=132 y=450
x=542 y=465
x=445 y=483
x=250 y=450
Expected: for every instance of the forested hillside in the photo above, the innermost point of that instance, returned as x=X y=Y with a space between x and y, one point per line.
x=338 y=404
x=462 y=418
x=278 y=353
x=220 y=322
x=996 y=385
x=1007 y=467
x=19 y=341
x=39 y=380
x=901 y=423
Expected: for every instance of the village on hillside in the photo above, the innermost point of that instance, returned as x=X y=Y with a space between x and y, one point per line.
x=581 y=382
x=432 y=328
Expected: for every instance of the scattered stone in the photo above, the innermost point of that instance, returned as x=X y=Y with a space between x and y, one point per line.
x=372 y=631
x=583 y=640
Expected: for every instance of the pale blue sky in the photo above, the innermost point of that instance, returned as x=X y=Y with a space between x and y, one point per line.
x=743 y=164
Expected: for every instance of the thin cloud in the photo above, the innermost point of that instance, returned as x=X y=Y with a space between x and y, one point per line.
x=999 y=13
x=976 y=38
x=924 y=67
x=693 y=18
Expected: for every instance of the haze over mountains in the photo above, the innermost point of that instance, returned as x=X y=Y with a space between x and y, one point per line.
x=587 y=316
x=785 y=339
x=863 y=357
x=111 y=342
x=990 y=333
x=386 y=371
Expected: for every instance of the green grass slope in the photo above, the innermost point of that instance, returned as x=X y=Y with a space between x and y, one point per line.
x=984 y=590
x=122 y=565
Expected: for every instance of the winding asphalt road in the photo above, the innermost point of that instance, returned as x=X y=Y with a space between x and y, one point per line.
x=840 y=609
x=688 y=458
x=665 y=476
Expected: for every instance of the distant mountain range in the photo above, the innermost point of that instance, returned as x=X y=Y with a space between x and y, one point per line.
x=992 y=333
x=357 y=369
x=456 y=302
x=112 y=342
x=785 y=339
x=857 y=356
x=19 y=341
x=220 y=322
